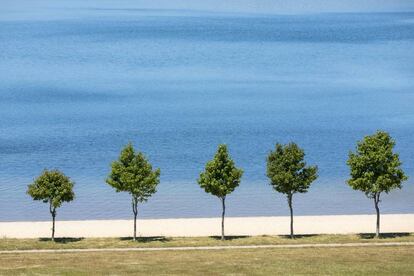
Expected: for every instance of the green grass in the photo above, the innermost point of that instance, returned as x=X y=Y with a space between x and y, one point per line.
x=22 y=244
x=326 y=261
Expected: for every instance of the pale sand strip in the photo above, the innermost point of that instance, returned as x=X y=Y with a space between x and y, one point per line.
x=181 y=248
x=343 y=224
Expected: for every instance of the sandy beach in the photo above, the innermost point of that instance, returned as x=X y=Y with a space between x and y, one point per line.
x=337 y=224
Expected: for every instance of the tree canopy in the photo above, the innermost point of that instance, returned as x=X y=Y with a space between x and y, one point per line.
x=375 y=168
x=220 y=176
x=287 y=169
x=133 y=173
x=53 y=187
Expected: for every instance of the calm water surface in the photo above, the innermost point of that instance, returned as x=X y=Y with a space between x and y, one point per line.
x=76 y=88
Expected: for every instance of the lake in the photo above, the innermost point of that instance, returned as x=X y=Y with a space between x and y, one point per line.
x=77 y=84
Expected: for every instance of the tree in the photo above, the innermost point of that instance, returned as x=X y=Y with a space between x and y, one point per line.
x=220 y=178
x=375 y=169
x=133 y=173
x=52 y=187
x=289 y=174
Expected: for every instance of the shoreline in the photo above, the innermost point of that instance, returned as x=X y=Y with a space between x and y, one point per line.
x=199 y=227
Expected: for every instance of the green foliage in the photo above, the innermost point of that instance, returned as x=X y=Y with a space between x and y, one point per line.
x=133 y=173
x=374 y=166
x=53 y=187
x=221 y=176
x=287 y=169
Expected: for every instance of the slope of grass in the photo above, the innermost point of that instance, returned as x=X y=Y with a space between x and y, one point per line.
x=23 y=244
x=326 y=261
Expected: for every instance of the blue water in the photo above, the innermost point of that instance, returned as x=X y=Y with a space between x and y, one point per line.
x=77 y=85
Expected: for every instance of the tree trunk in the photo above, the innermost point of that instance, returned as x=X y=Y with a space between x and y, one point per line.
x=53 y=227
x=222 y=217
x=291 y=215
x=135 y=211
x=376 y=202
x=53 y=213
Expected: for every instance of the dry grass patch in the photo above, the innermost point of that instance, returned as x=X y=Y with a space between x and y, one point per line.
x=332 y=261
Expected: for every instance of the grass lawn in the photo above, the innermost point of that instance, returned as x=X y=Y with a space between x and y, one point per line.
x=333 y=261
x=12 y=244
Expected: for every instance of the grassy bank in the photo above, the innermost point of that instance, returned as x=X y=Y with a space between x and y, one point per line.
x=22 y=244
x=332 y=261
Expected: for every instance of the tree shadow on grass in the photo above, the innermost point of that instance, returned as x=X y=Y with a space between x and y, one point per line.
x=298 y=236
x=383 y=235
x=229 y=238
x=62 y=240
x=147 y=239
